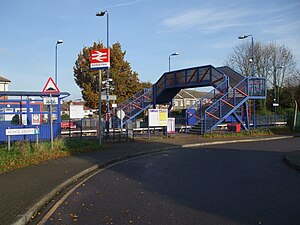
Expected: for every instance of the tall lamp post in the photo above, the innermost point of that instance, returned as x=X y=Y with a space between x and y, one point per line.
x=174 y=54
x=276 y=97
x=102 y=13
x=57 y=43
x=252 y=69
x=252 y=51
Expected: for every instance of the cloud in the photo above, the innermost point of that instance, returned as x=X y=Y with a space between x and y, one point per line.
x=3 y=51
x=209 y=20
x=126 y=4
x=283 y=28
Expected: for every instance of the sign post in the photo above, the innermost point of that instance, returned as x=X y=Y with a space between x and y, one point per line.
x=21 y=131
x=121 y=115
x=51 y=88
x=100 y=59
x=157 y=118
x=51 y=124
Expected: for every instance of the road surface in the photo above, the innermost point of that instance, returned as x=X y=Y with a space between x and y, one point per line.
x=244 y=183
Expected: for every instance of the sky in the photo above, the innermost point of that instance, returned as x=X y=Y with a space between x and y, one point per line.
x=202 y=32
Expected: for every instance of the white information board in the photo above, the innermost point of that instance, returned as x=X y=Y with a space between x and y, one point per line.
x=50 y=100
x=23 y=131
x=76 y=112
x=158 y=117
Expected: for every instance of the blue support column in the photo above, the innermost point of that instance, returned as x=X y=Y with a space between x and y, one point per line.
x=28 y=114
x=58 y=115
x=254 y=115
x=154 y=95
x=246 y=108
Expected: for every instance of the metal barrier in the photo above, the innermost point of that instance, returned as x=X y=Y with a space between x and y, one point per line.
x=88 y=127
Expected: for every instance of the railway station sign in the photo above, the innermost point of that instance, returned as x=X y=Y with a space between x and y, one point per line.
x=100 y=59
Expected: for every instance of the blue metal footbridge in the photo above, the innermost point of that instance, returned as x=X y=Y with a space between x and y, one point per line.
x=229 y=97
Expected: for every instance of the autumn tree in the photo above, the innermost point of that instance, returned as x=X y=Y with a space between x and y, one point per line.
x=125 y=82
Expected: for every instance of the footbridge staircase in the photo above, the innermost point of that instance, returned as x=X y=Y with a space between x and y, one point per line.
x=229 y=97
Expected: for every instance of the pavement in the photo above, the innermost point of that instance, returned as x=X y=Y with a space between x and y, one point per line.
x=23 y=192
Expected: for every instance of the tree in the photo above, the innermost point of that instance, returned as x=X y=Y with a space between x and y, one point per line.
x=274 y=62
x=266 y=58
x=125 y=82
x=293 y=86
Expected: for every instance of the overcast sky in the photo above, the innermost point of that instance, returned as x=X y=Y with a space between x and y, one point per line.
x=202 y=32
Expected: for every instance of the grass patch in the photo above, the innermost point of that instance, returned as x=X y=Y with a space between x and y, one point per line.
x=249 y=133
x=282 y=130
x=25 y=153
x=278 y=130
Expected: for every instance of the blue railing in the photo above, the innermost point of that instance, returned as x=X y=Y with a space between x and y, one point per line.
x=187 y=78
x=257 y=87
x=135 y=105
x=206 y=101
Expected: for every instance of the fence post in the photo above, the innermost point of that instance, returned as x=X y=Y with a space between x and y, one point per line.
x=81 y=128
x=69 y=126
x=37 y=135
x=8 y=141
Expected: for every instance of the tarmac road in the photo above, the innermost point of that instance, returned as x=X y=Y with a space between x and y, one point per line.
x=241 y=183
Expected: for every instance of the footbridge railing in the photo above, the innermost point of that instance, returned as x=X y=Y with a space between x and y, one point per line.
x=135 y=105
x=196 y=111
x=172 y=82
x=230 y=102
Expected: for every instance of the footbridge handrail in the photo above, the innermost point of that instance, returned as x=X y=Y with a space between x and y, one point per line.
x=226 y=104
x=207 y=100
x=173 y=81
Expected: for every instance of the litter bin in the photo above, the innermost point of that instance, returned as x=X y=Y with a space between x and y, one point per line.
x=236 y=127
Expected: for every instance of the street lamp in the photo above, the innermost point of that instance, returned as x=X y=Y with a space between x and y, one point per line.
x=252 y=70
x=276 y=97
x=107 y=24
x=57 y=43
x=102 y=13
x=174 y=54
x=252 y=51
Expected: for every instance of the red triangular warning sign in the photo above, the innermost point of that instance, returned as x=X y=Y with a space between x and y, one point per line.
x=50 y=87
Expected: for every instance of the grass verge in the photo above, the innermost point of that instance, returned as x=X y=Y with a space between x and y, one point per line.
x=252 y=133
x=249 y=133
x=25 y=153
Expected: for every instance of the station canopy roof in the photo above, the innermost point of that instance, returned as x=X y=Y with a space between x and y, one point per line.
x=33 y=94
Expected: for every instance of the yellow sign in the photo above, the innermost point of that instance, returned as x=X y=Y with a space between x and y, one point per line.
x=158 y=117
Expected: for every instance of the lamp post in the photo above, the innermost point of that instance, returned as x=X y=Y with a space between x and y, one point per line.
x=57 y=43
x=102 y=13
x=252 y=51
x=174 y=54
x=252 y=70
x=276 y=97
